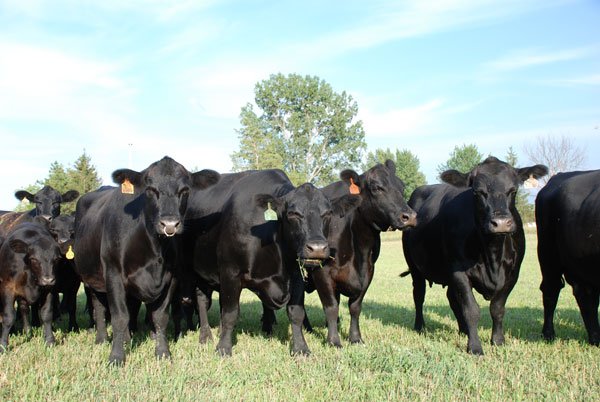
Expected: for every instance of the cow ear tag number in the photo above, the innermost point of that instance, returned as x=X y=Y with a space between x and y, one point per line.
x=353 y=187
x=126 y=187
x=70 y=254
x=270 y=215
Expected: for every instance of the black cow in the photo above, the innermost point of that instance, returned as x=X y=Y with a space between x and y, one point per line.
x=126 y=245
x=354 y=240
x=47 y=205
x=231 y=245
x=567 y=212
x=469 y=235
x=28 y=260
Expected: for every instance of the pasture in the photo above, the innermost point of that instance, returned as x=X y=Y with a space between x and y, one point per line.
x=395 y=362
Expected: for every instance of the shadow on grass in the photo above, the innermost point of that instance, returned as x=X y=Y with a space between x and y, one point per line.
x=520 y=322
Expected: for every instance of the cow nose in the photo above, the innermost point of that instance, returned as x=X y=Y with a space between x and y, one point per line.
x=409 y=219
x=169 y=226
x=47 y=217
x=48 y=281
x=502 y=224
x=317 y=249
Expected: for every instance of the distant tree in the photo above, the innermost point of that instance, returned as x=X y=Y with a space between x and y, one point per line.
x=462 y=158
x=525 y=208
x=260 y=148
x=407 y=167
x=305 y=128
x=559 y=154
x=82 y=177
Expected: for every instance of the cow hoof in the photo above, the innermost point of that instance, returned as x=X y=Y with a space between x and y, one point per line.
x=335 y=343
x=357 y=341
x=302 y=351
x=163 y=354
x=50 y=343
x=225 y=351
x=498 y=341
x=116 y=360
x=205 y=336
x=101 y=339
x=3 y=348
x=476 y=350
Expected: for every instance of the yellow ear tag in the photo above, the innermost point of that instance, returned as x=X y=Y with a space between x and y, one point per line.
x=70 y=254
x=531 y=182
x=126 y=187
x=270 y=215
x=353 y=187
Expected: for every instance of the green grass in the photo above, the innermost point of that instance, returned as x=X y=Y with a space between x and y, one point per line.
x=395 y=362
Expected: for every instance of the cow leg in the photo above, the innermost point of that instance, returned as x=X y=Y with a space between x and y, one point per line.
x=268 y=319
x=119 y=317
x=552 y=283
x=47 y=314
x=70 y=298
x=160 y=319
x=327 y=294
x=203 y=299
x=497 y=308
x=23 y=308
x=587 y=299
x=8 y=317
x=470 y=310
x=462 y=326
x=355 y=305
x=296 y=314
x=230 y=311
x=99 y=315
x=419 y=298
x=133 y=306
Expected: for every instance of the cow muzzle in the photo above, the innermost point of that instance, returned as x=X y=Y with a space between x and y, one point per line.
x=502 y=225
x=406 y=220
x=314 y=253
x=47 y=281
x=169 y=226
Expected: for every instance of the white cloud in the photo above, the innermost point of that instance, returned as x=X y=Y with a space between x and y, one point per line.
x=585 y=80
x=533 y=57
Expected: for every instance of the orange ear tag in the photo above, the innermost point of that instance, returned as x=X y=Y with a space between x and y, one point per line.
x=126 y=187
x=353 y=187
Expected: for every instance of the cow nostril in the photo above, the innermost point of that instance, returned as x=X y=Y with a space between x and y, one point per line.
x=405 y=218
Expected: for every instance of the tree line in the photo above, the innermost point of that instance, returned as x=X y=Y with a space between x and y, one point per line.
x=311 y=132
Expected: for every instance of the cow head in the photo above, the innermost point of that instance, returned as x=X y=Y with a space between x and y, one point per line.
x=166 y=185
x=47 y=201
x=62 y=228
x=494 y=185
x=304 y=215
x=41 y=255
x=382 y=193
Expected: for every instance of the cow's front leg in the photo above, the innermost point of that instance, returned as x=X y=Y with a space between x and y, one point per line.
x=296 y=315
x=8 y=317
x=47 y=313
x=229 y=300
x=160 y=318
x=469 y=308
x=327 y=294
x=117 y=303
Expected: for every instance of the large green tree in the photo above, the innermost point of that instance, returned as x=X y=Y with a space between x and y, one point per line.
x=304 y=128
x=525 y=208
x=463 y=159
x=82 y=176
x=407 y=167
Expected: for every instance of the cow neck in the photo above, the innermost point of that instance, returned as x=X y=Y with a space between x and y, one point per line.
x=366 y=219
x=495 y=250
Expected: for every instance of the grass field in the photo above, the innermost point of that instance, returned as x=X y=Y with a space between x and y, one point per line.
x=395 y=362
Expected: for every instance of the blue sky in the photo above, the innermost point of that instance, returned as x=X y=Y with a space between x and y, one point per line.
x=170 y=77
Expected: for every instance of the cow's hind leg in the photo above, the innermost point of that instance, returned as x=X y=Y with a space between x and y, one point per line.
x=462 y=326
x=419 y=298
x=23 y=309
x=204 y=300
x=98 y=309
x=587 y=299
x=552 y=283
x=268 y=319
x=8 y=317
x=229 y=299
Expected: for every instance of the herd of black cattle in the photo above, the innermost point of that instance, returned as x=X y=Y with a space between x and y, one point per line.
x=169 y=238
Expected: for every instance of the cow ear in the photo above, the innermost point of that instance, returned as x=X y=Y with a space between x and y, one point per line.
x=348 y=174
x=18 y=246
x=391 y=166
x=345 y=203
x=536 y=171
x=69 y=196
x=134 y=177
x=43 y=222
x=24 y=194
x=262 y=202
x=204 y=178
x=456 y=178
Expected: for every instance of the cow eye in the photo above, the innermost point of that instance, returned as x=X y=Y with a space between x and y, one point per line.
x=480 y=193
x=326 y=215
x=184 y=191
x=511 y=191
x=294 y=215
x=377 y=189
x=152 y=192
